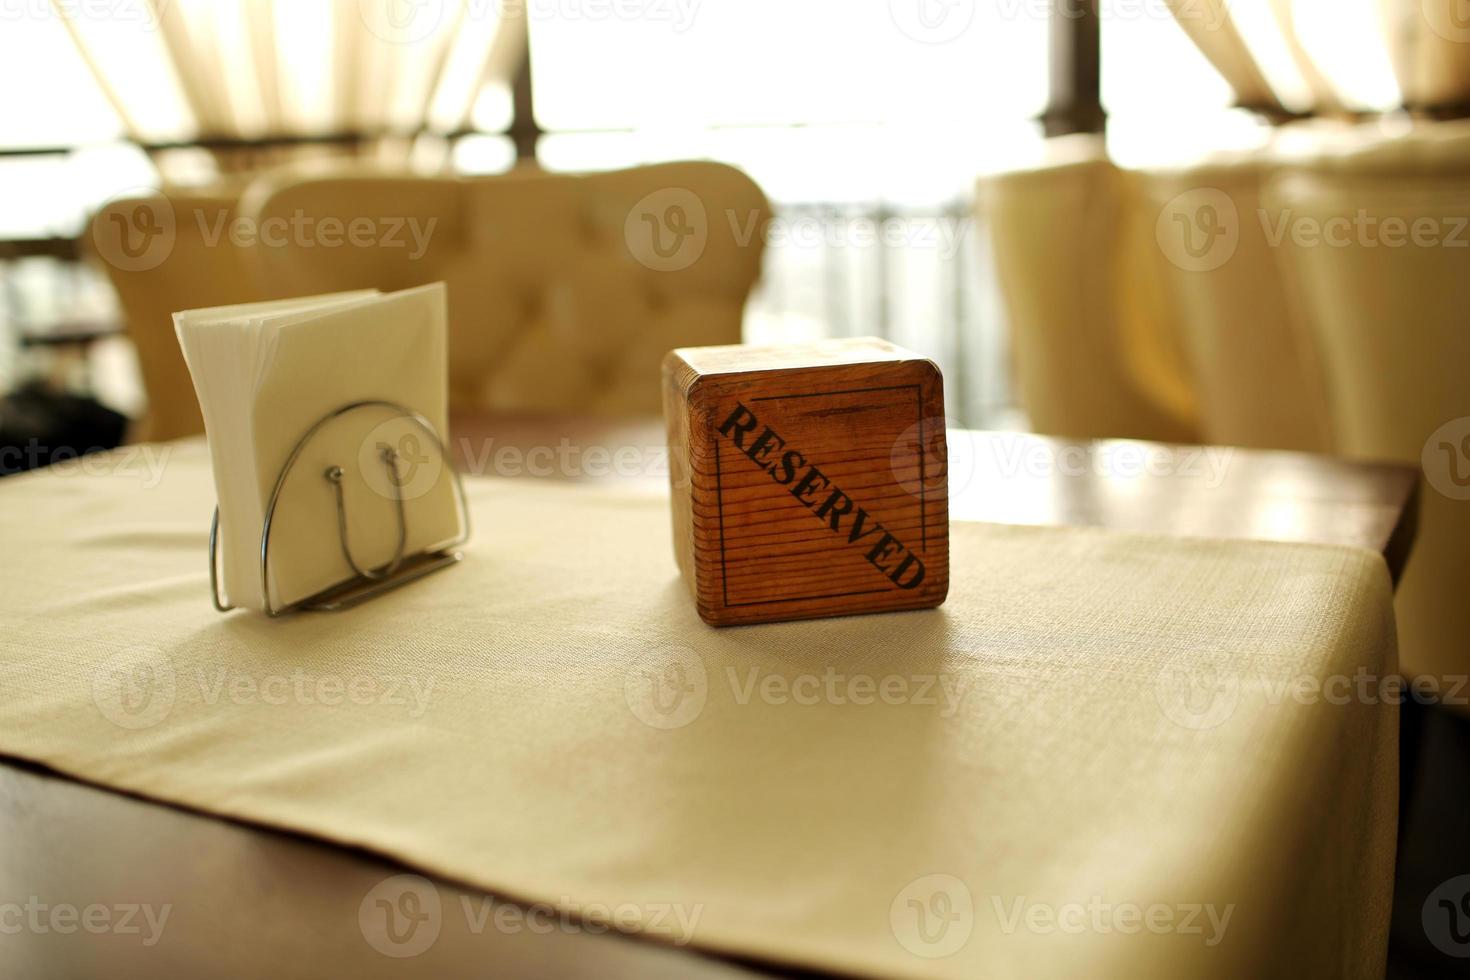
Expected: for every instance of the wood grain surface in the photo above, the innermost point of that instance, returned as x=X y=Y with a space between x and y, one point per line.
x=808 y=481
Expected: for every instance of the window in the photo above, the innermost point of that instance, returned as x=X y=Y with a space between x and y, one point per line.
x=866 y=124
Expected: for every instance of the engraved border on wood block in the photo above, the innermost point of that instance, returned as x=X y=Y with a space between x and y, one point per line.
x=718 y=447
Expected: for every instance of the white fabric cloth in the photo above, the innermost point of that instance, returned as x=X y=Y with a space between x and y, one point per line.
x=1086 y=760
x=189 y=69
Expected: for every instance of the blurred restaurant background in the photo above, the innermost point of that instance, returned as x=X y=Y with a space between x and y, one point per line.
x=850 y=117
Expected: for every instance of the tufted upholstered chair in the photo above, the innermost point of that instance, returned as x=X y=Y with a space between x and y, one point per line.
x=1094 y=354
x=556 y=300
x=163 y=254
x=1390 y=318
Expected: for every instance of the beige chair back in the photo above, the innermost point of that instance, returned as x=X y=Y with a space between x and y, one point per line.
x=564 y=291
x=1391 y=317
x=1094 y=356
x=164 y=254
x=1257 y=370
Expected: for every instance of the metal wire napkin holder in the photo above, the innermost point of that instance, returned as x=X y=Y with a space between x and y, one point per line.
x=367 y=583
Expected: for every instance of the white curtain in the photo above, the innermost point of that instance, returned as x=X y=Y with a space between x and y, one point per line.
x=1329 y=55
x=185 y=70
x=1431 y=50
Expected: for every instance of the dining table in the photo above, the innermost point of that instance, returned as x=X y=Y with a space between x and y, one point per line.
x=249 y=899
x=1008 y=477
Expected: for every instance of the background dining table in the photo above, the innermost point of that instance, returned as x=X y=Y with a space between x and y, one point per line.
x=1020 y=478
x=286 y=905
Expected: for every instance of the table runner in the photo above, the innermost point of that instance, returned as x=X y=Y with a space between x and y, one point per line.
x=1102 y=756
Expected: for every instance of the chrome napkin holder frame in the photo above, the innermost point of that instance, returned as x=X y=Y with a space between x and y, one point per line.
x=367 y=583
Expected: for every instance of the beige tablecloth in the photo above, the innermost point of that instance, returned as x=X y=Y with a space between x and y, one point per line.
x=1101 y=757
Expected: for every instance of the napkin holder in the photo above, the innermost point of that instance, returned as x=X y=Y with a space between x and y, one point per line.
x=367 y=583
x=808 y=480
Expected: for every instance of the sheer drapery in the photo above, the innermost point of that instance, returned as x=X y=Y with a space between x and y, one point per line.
x=202 y=70
x=1330 y=55
x=1212 y=29
x=1431 y=50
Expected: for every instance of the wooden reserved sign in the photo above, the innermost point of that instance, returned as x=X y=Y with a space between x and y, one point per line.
x=808 y=479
